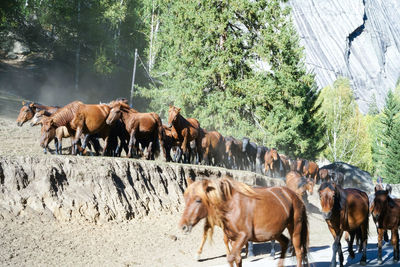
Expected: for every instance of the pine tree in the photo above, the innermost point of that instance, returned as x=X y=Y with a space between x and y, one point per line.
x=390 y=139
x=237 y=66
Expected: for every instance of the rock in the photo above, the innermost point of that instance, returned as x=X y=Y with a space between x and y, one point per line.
x=97 y=190
x=358 y=39
x=20 y=48
x=353 y=176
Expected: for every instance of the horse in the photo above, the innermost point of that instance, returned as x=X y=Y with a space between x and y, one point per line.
x=299 y=184
x=234 y=154
x=37 y=118
x=324 y=175
x=29 y=109
x=386 y=214
x=186 y=131
x=146 y=128
x=248 y=214
x=273 y=163
x=171 y=144
x=345 y=210
x=249 y=150
x=309 y=169
x=213 y=146
x=261 y=150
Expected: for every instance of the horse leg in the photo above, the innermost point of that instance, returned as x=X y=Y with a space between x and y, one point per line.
x=150 y=151
x=56 y=145
x=296 y=243
x=380 y=238
x=184 y=146
x=237 y=246
x=249 y=249
x=283 y=241
x=76 y=139
x=395 y=243
x=105 y=145
x=226 y=241
x=272 y=248
x=350 y=242
x=203 y=241
x=336 y=247
x=132 y=142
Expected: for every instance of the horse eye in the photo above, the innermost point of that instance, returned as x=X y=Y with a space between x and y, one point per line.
x=198 y=200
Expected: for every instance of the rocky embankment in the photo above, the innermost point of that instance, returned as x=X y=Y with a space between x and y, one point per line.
x=97 y=190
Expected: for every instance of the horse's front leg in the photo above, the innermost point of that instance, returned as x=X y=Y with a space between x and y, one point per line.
x=395 y=243
x=56 y=145
x=203 y=241
x=284 y=242
x=76 y=139
x=132 y=142
x=184 y=146
x=380 y=238
x=337 y=249
x=105 y=145
x=237 y=246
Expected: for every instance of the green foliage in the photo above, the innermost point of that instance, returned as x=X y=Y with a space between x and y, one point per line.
x=388 y=151
x=346 y=130
x=237 y=66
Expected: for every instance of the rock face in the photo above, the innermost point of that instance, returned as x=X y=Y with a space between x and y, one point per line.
x=358 y=39
x=353 y=176
x=97 y=190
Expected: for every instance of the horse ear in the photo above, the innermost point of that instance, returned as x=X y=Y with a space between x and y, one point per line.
x=32 y=105
x=179 y=109
x=189 y=181
x=23 y=102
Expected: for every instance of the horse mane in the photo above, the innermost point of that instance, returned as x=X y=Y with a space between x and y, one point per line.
x=215 y=194
x=66 y=114
x=123 y=106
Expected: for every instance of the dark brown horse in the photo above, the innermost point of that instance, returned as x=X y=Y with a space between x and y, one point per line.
x=186 y=130
x=308 y=168
x=144 y=128
x=386 y=214
x=213 y=147
x=29 y=109
x=248 y=214
x=274 y=164
x=345 y=210
x=299 y=184
x=171 y=145
x=233 y=153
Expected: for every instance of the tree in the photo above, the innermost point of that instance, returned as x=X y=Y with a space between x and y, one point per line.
x=390 y=139
x=346 y=133
x=237 y=66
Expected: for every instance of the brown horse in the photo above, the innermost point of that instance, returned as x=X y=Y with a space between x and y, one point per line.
x=299 y=184
x=311 y=170
x=234 y=154
x=248 y=214
x=213 y=146
x=345 y=210
x=324 y=175
x=386 y=214
x=29 y=109
x=273 y=163
x=146 y=128
x=186 y=130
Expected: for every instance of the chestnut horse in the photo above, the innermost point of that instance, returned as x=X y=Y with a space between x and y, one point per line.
x=248 y=214
x=299 y=184
x=146 y=128
x=345 y=210
x=234 y=154
x=273 y=163
x=29 y=109
x=386 y=214
x=311 y=170
x=186 y=130
x=213 y=147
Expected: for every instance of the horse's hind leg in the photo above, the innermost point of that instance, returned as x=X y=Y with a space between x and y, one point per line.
x=363 y=233
x=272 y=248
x=283 y=241
x=395 y=243
x=350 y=243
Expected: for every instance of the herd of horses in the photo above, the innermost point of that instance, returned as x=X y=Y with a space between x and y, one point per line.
x=143 y=135
x=245 y=214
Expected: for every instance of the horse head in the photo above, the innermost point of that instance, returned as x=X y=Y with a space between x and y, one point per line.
x=380 y=204
x=37 y=119
x=246 y=142
x=331 y=197
x=26 y=113
x=274 y=154
x=48 y=131
x=228 y=147
x=115 y=113
x=173 y=113
x=195 y=204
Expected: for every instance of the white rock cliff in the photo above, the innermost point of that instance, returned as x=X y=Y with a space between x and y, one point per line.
x=357 y=39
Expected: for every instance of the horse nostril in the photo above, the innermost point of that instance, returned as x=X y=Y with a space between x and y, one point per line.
x=184 y=228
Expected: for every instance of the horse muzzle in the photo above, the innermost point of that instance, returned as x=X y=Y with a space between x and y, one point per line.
x=327 y=215
x=187 y=228
x=19 y=123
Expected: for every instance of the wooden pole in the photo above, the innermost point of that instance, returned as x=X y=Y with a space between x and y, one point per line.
x=133 y=78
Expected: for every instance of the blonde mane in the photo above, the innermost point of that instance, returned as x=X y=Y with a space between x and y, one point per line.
x=215 y=194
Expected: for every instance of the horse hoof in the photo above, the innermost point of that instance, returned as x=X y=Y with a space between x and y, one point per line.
x=272 y=254
x=363 y=263
x=379 y=262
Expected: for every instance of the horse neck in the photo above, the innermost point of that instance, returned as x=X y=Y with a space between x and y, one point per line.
x=180 y=122
x=128 y=117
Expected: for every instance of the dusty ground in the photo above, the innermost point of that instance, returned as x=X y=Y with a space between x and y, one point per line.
x=153 y=241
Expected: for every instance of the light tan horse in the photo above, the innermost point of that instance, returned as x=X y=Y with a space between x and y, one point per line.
x=248 y=214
